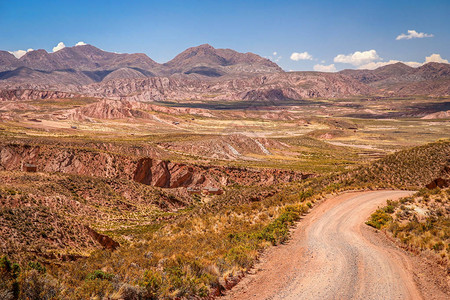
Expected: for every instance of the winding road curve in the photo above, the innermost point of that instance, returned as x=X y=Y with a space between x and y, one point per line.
x=334 y=255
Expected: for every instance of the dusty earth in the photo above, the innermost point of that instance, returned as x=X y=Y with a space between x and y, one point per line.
x=334 y=255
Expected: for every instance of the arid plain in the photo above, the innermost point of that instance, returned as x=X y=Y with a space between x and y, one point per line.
x=122 y=178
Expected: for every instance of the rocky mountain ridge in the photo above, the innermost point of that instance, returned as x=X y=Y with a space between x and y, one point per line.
x=87 y=64
x=431 y=78
x=200 y=73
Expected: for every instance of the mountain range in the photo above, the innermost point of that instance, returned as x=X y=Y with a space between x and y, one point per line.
x=87 y=64
x=220 y=73
x=429 y=79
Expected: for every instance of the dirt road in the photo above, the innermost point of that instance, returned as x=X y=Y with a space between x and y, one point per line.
x=334 y=255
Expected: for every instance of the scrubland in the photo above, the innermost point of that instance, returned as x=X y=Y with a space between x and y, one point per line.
x=421 y=222
x=176 y=245
x=210 y=243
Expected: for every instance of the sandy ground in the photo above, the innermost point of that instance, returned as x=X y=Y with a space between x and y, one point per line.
x=334 y=255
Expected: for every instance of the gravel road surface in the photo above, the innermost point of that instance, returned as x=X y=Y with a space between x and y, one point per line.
x=334 y=255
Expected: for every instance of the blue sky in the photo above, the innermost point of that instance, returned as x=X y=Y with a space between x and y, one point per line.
x=162 y=29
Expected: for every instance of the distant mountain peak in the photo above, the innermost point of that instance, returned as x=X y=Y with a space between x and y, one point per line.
x=216 y=61
x=204 y=46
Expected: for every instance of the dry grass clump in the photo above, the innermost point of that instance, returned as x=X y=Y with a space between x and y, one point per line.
x=421 y=222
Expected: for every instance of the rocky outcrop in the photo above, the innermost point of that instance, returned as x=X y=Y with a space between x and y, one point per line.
x=108 y=109
x=124 y=109
x=66 y=160
x=166 y=174
x=104 y=240
x=443 y=180
x=438 y=183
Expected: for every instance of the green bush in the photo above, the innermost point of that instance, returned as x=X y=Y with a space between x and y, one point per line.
x=9 y=273
x=37 y=266
x=379 y=219
x=99 y=274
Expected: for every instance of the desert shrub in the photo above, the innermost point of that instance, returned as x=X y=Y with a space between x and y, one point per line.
x=152 y=282
x=278 y=231
x=241 y=256
x=438 y=246
x=99 y=274
x=37 y=266
x=9 y=273
x=9 y=269
x=379 y=219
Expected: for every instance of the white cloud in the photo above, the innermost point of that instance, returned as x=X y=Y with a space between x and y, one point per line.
x=20 y=53
x=301 y=56
x=59 y=47
x=275 y=57
x=412 y=34
x=435 y=58
x=80 y=44
x=358 y=58
x=324 y=68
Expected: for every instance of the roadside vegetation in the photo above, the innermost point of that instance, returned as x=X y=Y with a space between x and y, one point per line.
x=420 y=222
x=196 y=249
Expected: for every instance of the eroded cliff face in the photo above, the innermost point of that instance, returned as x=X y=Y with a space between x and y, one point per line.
x=147 y=170
x=167 y=174
x=163 y=173
x=32 y=94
